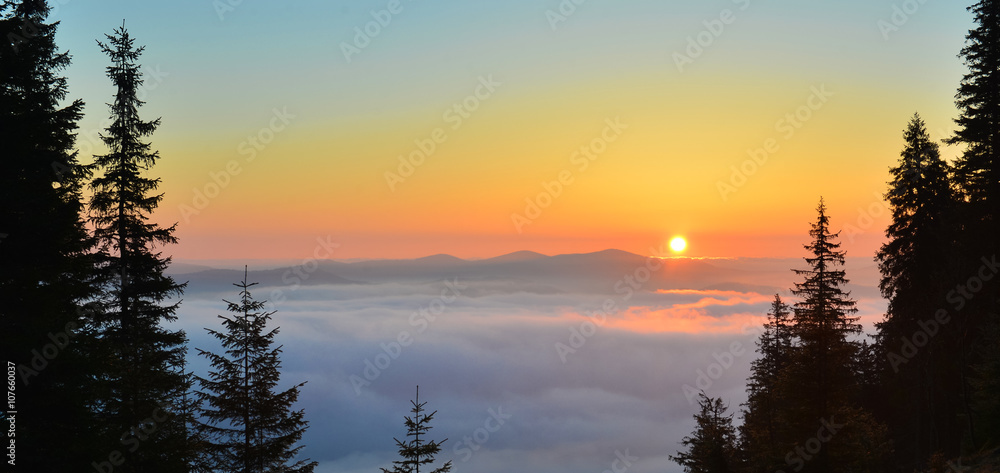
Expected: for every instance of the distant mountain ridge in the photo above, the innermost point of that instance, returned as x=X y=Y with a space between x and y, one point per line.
x=598 y=271
x=605 y=271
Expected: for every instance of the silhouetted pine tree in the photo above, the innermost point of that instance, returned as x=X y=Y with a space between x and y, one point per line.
x=978 y=176
x=824 y=321
x=144 y=383
x=763 y=437
x=917 y=266
x=46 y=271
x=251 y=428
x=978 y=101
x=712 y=447
x=417 y=451
x=820 y=385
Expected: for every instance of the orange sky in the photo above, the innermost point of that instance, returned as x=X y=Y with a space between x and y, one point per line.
x=268 y=143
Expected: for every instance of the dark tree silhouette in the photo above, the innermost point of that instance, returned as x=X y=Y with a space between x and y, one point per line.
x=251 y=428
x=978 y=176
x=712 y=447
x=416 y=451
x=46 y=270
x=144 y=383
x=824 y=321
x=917 y=266
x=820 y=385
x=978 y=101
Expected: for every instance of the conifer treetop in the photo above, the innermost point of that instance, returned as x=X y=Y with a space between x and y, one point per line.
x=417 y=452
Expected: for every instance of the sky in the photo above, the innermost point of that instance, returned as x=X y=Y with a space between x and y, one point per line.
x=410 y=128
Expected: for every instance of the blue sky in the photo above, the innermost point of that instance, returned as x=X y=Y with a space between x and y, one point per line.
x=217 y=75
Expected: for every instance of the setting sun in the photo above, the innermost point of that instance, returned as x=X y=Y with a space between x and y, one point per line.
x=677 y=244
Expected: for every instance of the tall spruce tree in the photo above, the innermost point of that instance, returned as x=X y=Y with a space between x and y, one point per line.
x=416 y=451
x=144 y=389
x=46 y=270
x=978 y=176
x=917 y=266
x=978 y=101
x=250 y=427
x=820 y=385
x=712 y=447
x=824 y=323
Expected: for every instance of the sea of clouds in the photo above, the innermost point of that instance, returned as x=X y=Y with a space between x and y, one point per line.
x=527 y=368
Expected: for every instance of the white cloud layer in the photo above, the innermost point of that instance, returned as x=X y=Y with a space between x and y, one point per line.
x=482 y=340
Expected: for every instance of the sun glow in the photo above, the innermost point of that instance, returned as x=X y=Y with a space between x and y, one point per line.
x=678 y=244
